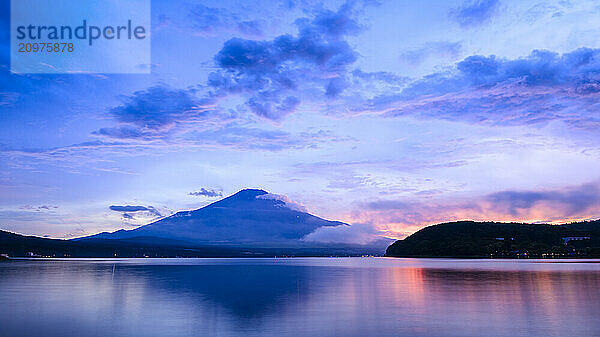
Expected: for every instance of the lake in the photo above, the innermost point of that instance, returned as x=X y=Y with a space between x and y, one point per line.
x=299 y=297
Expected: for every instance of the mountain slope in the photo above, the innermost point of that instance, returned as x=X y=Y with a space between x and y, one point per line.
x=248 y=217
x=16 y=245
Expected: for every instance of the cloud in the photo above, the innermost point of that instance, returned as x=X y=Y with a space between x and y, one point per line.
x=362 y=86
x=211 y=21
x=212 y=133
x=379 y=76
x=571 y=201
x=207 y=192
x=128 y=216
x=388 y=205
x=237 y=137
x=272 y=74
x=128 y=208
x=475 y=12
x=136 y=215
x=155 y=108
x=544 y=86
x=133 y=209
x=442 y=49
x=41 y=208
x=544 y=10
x=355 y=234
x=270 y=105
x=160 y=111
x=125 y=132
x=269 y=139
x=285 y=201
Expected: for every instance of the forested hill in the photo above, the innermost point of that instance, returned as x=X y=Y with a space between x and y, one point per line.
x=493 y=239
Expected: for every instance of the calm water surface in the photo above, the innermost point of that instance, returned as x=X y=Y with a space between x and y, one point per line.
x=299 y=297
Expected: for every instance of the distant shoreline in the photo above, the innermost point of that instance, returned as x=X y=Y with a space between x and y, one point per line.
x=533 y=260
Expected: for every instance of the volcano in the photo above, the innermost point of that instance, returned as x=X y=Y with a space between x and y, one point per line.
x=249 y=217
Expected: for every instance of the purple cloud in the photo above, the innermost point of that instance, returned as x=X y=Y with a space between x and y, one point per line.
x=270 y=73
x=541 y=87
x=155 y=107
x=573 y=200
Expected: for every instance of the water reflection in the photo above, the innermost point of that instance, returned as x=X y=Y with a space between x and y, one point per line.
x=309 y=297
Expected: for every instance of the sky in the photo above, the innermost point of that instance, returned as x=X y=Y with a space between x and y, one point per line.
x=387 y=115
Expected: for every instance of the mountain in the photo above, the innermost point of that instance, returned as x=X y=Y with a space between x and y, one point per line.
x=249 y=223
x=493 y=239
x=250 y=217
